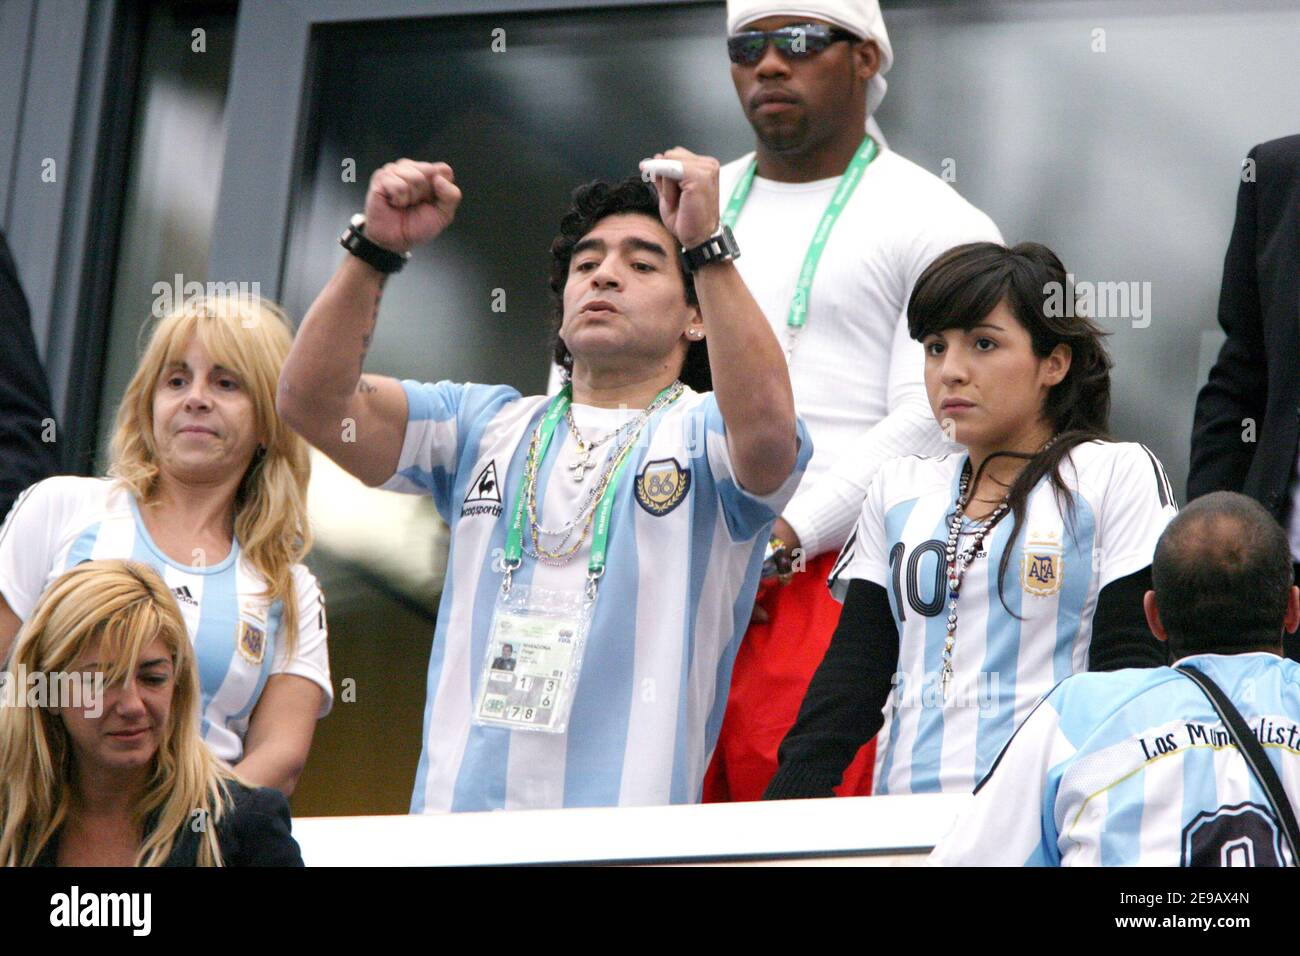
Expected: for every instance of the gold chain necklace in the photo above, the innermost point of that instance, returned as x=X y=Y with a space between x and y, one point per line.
x=562 y=555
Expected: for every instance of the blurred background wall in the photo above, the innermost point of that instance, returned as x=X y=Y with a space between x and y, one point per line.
x=232 y=141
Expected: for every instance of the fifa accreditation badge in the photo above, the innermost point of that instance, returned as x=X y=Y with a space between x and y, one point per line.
x=661 y=485
x=251 y=642
x=1041 y=565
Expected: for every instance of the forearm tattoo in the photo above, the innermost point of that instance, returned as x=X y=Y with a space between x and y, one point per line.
x=365 y=338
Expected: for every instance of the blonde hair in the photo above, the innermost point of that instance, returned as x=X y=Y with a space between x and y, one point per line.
x=251 y=337
x=113 y=609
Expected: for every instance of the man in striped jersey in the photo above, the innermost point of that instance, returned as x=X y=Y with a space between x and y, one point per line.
x=654 y=502
x=1134 y=767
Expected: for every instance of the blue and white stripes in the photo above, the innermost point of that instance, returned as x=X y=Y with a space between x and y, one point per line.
x=672 y=604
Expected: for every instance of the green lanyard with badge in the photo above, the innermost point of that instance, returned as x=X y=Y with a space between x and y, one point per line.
x=798 y=314
x=537 y=635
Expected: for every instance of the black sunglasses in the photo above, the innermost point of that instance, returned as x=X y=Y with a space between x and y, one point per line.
x=796 y=42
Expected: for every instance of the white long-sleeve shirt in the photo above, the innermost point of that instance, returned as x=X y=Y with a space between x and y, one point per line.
x=858 y=377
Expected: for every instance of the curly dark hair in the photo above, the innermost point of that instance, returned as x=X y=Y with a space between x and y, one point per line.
x=961 y=287
x=591 y=203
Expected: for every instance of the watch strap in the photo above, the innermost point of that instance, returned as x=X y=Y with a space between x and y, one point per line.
x=354 y=241
x=719 y=247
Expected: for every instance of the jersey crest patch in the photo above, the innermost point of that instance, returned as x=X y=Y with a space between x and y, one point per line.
x=661 y=486
x=1041 y=565
x=251 y=643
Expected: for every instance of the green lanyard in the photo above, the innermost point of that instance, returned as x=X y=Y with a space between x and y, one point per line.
x=848 y=182
x=600 y=524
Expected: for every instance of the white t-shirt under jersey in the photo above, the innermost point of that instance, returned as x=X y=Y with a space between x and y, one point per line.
x=858 y=377
x=1002 y=663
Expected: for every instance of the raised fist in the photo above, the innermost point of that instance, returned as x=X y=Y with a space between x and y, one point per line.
x=689 y=206
x=409 y=203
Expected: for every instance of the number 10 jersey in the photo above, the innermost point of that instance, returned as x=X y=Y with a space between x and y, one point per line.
x=1011 y=648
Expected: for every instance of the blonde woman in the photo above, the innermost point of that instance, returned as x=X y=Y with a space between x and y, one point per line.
x=120 y=777
x=208 y=488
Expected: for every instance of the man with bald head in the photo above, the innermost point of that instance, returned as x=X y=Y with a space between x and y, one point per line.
x=836 y=229
x=1143 y=767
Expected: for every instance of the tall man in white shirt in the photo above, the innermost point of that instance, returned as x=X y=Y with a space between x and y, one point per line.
x=808 y=88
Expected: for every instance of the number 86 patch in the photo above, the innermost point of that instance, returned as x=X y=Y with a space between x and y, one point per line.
x=661 y=486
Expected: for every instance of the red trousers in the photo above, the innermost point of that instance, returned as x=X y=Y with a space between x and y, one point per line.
x=772 y=671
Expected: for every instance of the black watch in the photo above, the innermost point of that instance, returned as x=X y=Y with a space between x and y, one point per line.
x=719 y=247
x=354 y=241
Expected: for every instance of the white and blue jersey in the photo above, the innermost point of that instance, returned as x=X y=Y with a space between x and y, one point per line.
x=1134 y=768
x=684 y=554
x=58 y=523
x=1005 y=657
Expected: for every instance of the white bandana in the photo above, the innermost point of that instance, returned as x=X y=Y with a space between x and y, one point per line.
x=860 y=17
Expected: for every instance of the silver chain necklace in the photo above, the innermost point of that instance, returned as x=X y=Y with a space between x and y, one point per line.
x=583 y=463
x=560 y=554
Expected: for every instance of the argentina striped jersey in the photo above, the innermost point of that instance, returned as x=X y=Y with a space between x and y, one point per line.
x=1005 y=657
x=58 y=523
x=685 y=549
x=1134 y=768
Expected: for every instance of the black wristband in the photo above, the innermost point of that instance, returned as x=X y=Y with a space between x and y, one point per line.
x=354 y=241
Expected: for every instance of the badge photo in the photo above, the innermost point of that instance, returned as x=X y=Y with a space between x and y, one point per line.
x=661 y=486
x=1042 y=565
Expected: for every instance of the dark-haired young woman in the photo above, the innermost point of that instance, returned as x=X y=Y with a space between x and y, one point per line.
x=976 y=581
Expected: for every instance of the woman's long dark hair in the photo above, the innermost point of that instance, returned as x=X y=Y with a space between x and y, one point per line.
x=958 y=291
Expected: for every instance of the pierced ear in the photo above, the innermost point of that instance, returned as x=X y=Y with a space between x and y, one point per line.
x=695 y=328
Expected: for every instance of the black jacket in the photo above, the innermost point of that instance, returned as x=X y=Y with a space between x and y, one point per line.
x=1257 y=375
x=254 y=831
x=24 y=395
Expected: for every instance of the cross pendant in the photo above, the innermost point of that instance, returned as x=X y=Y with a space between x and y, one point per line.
x=582 y=464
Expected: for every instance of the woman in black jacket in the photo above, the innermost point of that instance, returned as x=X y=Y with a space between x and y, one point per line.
x=101 y=762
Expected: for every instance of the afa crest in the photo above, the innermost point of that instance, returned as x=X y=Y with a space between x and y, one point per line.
x=661 y=486
x=251 y=642
x=1042 y=565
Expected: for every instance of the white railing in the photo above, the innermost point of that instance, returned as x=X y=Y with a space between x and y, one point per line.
x=872 y=830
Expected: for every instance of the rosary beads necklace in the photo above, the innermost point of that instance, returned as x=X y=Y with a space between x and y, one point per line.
x=958 y=561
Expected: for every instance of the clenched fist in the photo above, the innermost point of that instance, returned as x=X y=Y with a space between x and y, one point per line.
x=409 y=203
x=689 y=207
